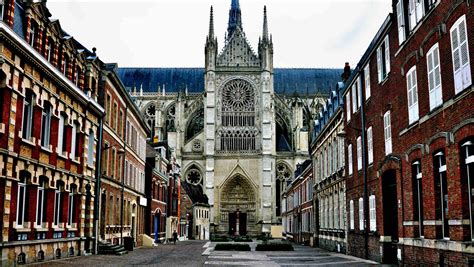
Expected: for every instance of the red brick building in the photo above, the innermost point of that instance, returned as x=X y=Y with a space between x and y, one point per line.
x=298 y=212
x=123 y=199
x=409 y=126
x=156 y=189
x=49 y=120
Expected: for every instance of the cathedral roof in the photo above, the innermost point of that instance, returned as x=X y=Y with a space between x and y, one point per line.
x=286 y=80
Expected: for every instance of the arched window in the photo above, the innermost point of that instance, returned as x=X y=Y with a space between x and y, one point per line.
x=238 y=131
x=150 y=116
x=170 y=118
x=195 y=125
x=283 y=174
x=41 y=201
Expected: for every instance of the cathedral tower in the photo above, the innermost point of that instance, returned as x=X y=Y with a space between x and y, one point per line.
x=239 y=129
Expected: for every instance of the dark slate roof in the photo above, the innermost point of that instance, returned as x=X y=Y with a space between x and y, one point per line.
x=287 y=81
x=195 y=193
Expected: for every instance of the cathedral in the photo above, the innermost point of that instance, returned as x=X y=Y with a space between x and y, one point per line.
x=237 y=127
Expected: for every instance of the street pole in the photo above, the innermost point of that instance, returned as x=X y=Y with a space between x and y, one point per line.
x=97 y=185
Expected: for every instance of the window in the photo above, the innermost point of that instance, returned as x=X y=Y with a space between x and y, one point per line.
x=62 y=134
x=348 y=106
x=434 y=77
x=441 y=191
x=32 y=33
x=342 y=210
x=372 y=214
x=21 y=201
x=112 y=161
x=334 y=155
x=108 y=108
x=349 y=158
x=370 y=146
x=57 y=204
x=355 y=103
x=46 y=125
x=90 y=149
x=65 y=64
x=467 y=170
x=41 y=202
x=75 y=140
x=412 y=93
x=460 y=52
x=401 y=22
x=114 y=117
x=71 y=208
x=1 y=9
x=361 y=214
x=359 y=153
x=77 y=76
x=417 y=196
x=387 y=133
x=120 y=123
x=50 y=50
x=383 y=59
x=415 y=12
x=367 y=81
x=28 y=115
x=351 y=214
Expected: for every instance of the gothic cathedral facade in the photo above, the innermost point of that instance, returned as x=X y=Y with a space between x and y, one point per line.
x=235 y=138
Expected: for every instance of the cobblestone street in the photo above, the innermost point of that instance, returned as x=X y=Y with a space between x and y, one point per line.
x=200 y=253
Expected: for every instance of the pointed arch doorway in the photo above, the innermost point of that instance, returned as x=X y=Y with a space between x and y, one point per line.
x=238 y=205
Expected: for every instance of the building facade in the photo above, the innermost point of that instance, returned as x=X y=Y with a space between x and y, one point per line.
x=327 y=155
x=409 y=125
x=298 y=216
x=49 y=123
x=123 y=200
x=235 y=125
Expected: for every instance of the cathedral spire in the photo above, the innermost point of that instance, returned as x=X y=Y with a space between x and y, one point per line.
x=265 y=25
x=235 y=18
x=211 y=25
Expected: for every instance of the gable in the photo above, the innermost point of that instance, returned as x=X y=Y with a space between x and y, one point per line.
x=238 y=53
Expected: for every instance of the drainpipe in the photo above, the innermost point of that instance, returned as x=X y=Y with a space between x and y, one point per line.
x=364 y=169
x=97 y=185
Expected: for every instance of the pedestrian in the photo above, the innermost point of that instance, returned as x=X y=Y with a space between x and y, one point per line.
x=175 y=237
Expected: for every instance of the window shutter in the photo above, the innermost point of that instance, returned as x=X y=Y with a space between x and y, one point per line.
x=460 y=52
x=379 y=63
x=354 y=97
x=463 y=45
x=373 y=214
x=387 y=55
x=370 y=145
x=348 y=106
x=361 y=214
x=419 y=10
x=367 y=81
x=401 y=22
x=349 y=158
x=412 y=95
x=359 y=91
x=412 y=13
x=351 y=214
x=387 y=133
x=359 y=153
x=434 y=77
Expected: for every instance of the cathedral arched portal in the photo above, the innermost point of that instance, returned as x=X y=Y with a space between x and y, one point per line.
x=238 y=205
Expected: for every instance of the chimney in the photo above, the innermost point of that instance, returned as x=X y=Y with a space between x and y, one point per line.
x=347 y=72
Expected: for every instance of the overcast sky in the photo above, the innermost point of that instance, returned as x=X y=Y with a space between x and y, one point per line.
x=172 y=33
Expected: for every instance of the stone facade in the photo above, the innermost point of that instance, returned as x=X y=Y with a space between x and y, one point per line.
x=231 y=136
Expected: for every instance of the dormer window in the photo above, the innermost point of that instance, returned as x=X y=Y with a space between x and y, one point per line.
x=49 y=50
x=65 y=62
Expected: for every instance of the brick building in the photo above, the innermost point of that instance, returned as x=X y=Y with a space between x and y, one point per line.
x=409 y=125
x=156 y=190
x=298 y=211
x=123 y=199
x=327 y=155
x=49 y=122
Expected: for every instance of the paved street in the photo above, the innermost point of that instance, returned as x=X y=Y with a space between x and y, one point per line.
x=201 y=253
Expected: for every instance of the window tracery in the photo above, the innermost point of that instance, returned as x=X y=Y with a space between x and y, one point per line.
x=196 y=125
x=238 y=131
x=170 y=118
x=194 y=176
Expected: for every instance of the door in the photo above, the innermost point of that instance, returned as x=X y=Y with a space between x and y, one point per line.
x=156 y=227
x=243 y=223
x=232 y=223
x=390 y=216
